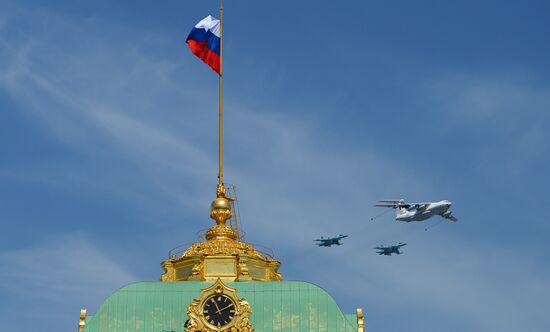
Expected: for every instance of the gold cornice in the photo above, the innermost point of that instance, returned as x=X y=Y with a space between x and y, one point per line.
x=209 y=262
x=219 y=246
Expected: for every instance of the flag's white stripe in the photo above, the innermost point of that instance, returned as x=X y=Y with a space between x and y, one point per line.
x=210 y=23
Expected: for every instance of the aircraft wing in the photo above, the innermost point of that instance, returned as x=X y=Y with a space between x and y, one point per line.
x=392 y=204
x=420 y=206
x=402 y=203
x=386 y=204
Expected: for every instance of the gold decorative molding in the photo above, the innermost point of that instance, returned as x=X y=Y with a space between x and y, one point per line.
x=197 y=270
x=242 y=270
x=228 y=267
x=272 y=272
x=221 y=232
x=169 y=271
x=222 y=255
x=82 y=320
x=222 y=247
x=198 y=322
x=360 y=320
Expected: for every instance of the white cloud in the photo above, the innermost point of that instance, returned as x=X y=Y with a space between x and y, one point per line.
x=475 y=100
x=289 y=174
x=501 y=117
x=65 y=266
x=51 y=280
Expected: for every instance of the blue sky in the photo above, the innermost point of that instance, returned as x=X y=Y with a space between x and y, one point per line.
x=108 y=151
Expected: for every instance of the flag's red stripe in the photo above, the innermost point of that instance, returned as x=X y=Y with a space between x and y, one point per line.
x=201 y=50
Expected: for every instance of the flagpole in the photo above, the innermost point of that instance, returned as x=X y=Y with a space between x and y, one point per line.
x=221 y=188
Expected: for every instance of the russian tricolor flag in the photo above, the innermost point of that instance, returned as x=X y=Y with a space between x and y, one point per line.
x=204 y=42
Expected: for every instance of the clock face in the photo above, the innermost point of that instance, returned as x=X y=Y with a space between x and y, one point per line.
x=219 y=310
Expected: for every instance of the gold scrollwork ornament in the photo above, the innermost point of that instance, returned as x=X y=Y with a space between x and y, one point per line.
x=197 y=321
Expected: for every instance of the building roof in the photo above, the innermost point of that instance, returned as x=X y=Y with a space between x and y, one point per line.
x=293 y=306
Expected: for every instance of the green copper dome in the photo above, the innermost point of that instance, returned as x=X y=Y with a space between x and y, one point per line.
x=293 y=306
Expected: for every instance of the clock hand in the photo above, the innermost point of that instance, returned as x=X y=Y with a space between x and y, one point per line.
x=220 y=310
x=216 y=304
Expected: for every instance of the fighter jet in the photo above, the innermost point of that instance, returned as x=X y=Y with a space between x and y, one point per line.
x=328 y=242
x=408 y=212
x=389 y=250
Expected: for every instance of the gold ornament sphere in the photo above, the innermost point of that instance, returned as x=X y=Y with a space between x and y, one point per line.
x=220 y=203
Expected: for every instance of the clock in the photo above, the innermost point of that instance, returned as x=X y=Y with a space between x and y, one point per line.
x=219 y=310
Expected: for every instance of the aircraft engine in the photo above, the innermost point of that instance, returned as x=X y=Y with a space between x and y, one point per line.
x=447 y=214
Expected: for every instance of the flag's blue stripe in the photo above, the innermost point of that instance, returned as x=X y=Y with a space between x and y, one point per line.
x=201 y=35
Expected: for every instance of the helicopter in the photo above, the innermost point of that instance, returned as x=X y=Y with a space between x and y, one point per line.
x=328 y=242
x=389 y=250
x=408 y=212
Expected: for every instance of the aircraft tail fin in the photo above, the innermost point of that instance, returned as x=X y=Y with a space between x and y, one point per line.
x=449 y=215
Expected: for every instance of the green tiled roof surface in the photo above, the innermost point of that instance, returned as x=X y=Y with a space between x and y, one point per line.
x=291 y=306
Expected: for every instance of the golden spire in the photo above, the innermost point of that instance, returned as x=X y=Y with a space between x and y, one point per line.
x=220 y=209
x=220 y=191
x=223 y=254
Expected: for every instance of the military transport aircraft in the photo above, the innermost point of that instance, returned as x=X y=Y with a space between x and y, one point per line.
x=408 y=212
x=383 y=250
x=328 y=242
